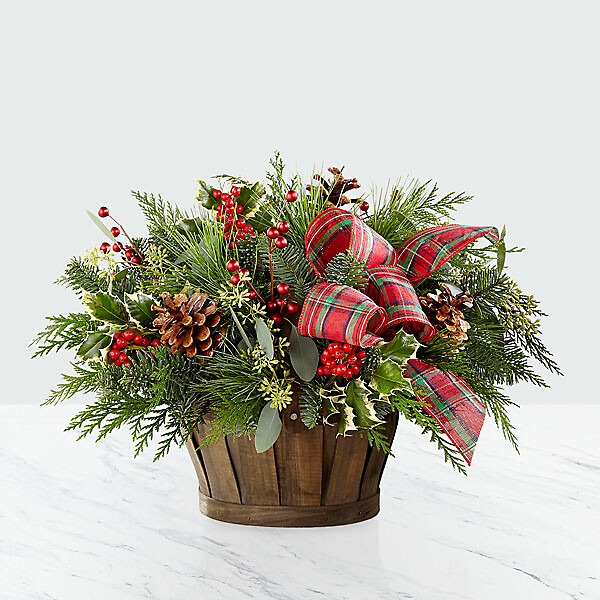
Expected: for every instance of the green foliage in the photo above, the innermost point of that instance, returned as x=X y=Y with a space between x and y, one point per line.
x=63 y=332
x=343 y=268
x=289 y=266
x=311 y=404
x=82 y=277
x=409 y=207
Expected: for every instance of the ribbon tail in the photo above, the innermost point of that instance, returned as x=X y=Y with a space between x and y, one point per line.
x=338 y=312
x=452 y=403
x=426 y=251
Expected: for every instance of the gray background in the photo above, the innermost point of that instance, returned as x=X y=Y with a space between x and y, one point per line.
x=497 y=99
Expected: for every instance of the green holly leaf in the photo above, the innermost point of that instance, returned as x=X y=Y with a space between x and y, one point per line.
x=304 y=355
x=347 y=420
x=388 y=377
x=400 y=349
x=188 y=226
x=94 y=344
x=268 y=428
x=204 y=195
x=250 y=196
x=357 y=397
x=105 y=307
x=140 y=308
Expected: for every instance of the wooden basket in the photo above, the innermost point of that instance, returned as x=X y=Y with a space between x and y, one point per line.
x=309 y=478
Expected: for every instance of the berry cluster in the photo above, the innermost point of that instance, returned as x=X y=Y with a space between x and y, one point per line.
x=275 y=307
x=239 y=275
x=131 y=254
x=342 y=359
x=126 y=340
x=229 y=212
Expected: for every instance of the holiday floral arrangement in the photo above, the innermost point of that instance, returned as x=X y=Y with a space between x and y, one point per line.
x=270 y=293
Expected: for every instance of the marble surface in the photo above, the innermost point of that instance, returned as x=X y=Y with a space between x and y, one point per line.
x=84 y=520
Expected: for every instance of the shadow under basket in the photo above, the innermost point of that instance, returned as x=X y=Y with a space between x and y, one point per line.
x=309 y=478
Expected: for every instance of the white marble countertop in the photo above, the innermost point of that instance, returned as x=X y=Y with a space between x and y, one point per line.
x=84 y=520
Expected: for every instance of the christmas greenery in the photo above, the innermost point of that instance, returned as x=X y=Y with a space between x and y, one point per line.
x=198 y=321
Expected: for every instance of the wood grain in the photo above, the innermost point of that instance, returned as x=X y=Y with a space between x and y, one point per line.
x=255 y=472
x=196 y=456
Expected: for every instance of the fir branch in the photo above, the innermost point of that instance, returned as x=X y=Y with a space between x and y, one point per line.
x=82 y=277
x=345 y=269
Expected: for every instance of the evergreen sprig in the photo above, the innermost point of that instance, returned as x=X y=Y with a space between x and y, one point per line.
x=64 y=332
x=343 y=268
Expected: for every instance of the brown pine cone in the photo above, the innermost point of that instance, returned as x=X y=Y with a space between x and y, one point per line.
x=189 y=326
x=336 y=187
x=445 y=311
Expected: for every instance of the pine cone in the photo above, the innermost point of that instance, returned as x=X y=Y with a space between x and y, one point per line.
x=189 y=327
x=334 y=189
x=444 y=310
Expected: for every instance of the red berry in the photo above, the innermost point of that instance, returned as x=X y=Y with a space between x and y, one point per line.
x=355 y=369
x=225 y=198
x=220 y=217
x=324 y=359
x=137 y=340
x=116 y=248
x=359 y=363
x=239 y=209
x=127 y=363
x=248 y=229
x=283 y=226
x=347 y=373
x=280 y=302
x=230 y=203
x=272 y=232
x=115 y=231
x=277 y=318
x=351 y=360
x=235 y=279
x=103 y=212
x=128 y=334
x=292 y=308
x=216 y=194
x=155 y=343
x=334 y=346
x=122 y=357
x=113 y=354
x=291 y=196
x=230 y=210
x=281 y=242
x=251 y=294
x=321 y=371
x=146 y=342
x=338 y=369
x=235 y=191
x=271 y=305
x=116 y=336
x=240 y=235
x=338 y=354
x=121 y=343
x=240 y=223
x=104 y=247
x=348 y=349
x=364 y=206
x=283 y=289
x=227 y=236
x=361 y=354
x=136 y=260
x=232 y=265
x=245 y=272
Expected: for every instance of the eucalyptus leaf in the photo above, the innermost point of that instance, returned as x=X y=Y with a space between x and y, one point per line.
x=92 y=347
x=304 y=355
x=268 y=428
x=102 y=227
x=140 y=308
x=501 y=257
x=106 y=308
x=244 y=335
x=265 y=339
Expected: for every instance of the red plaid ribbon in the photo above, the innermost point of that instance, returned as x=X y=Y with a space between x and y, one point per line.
x=452 y=403
x=338 y=312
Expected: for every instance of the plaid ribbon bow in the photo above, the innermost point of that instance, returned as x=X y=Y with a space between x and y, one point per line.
x=338 y=312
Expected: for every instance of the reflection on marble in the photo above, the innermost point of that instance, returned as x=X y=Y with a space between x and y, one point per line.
x=84 y=520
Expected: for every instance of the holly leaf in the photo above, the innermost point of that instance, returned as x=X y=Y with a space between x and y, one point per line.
x=304 y=355
x=389 y=376
x=264 y=337
x=188 y=226
x=105 y=307
x=400 y=349
x=250 y=196
x=102 y=227
x=357 y=397
x=204 y=195
x=347 y=420
x=140 y=308
x=268 y=428
x=92 y=347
